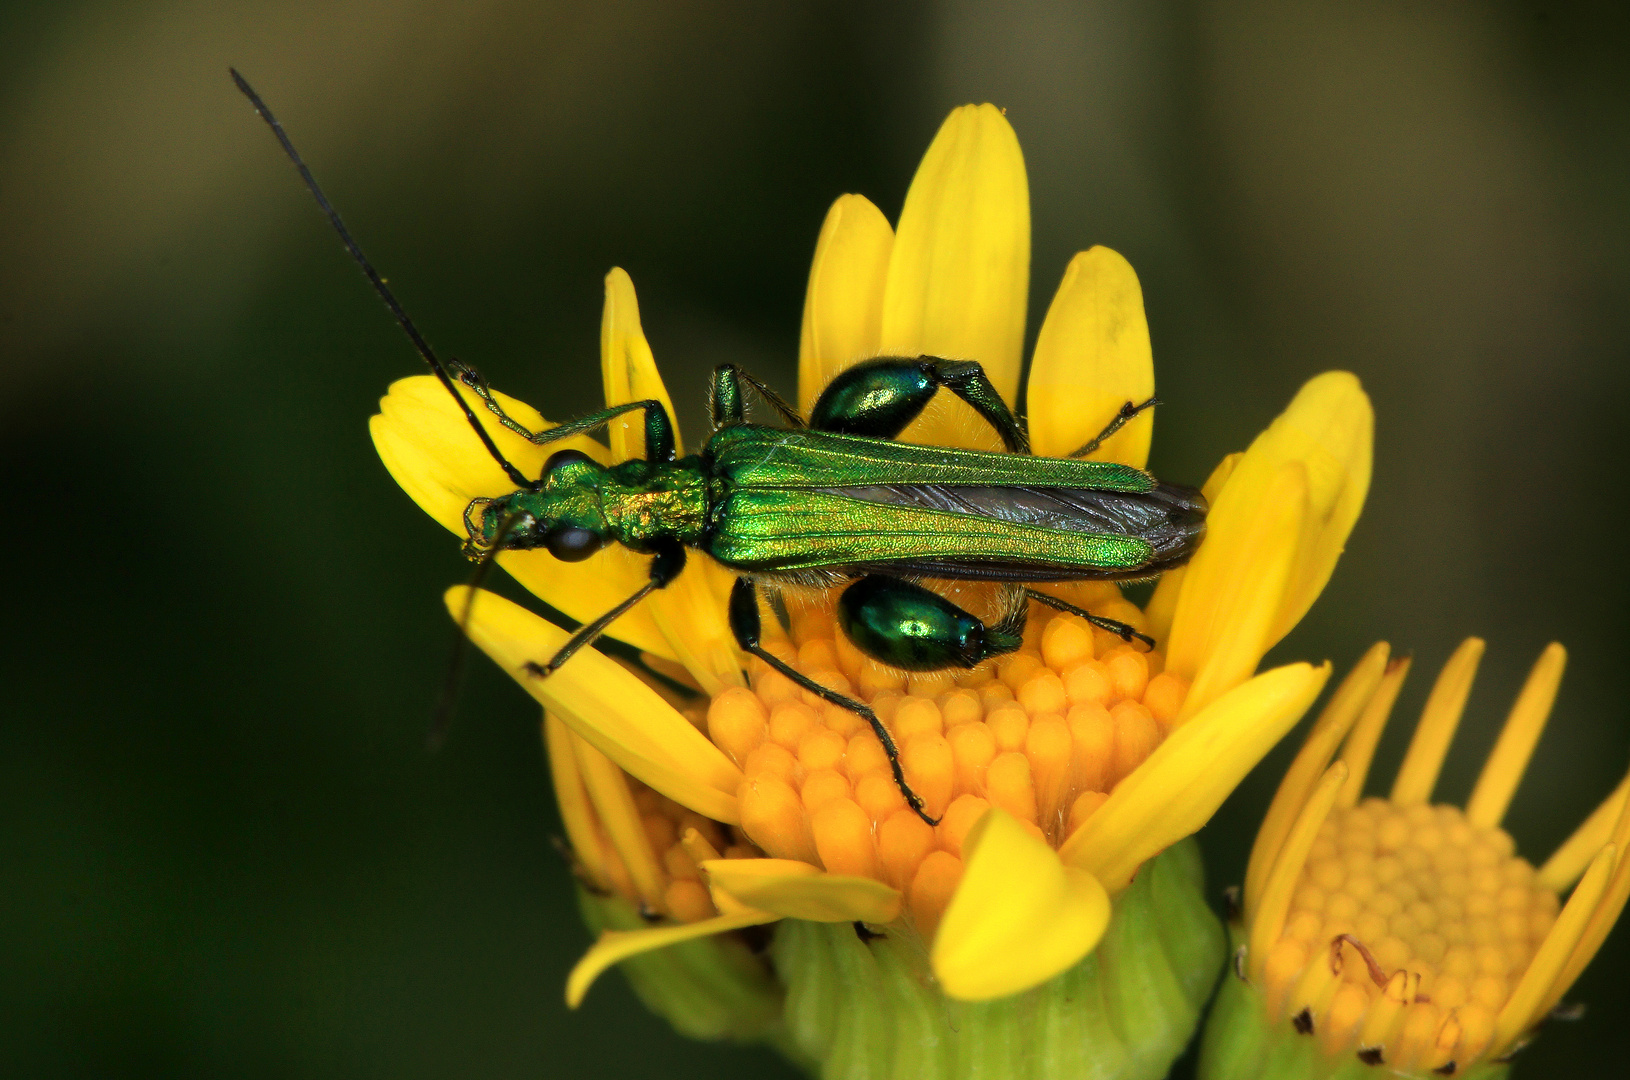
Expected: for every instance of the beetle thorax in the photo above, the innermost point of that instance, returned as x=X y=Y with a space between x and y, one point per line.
x=643 y=501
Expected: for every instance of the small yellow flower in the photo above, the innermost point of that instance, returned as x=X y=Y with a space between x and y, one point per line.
x=1059 y=770
x=1401 y=932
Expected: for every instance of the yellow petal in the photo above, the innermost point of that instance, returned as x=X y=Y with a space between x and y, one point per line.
x=1359 y=749
x=688 y=611
x=843 y=307
x=1279 y=882
x=1018 y=917
x=1329 y=428
x=617 y=945
x=575 y=810
x=628 y=371
x=1092 y=358
x=1509 y=758
x=1327 y=431
x=1603 y=915
x=608 y=706
x=959 y=273
x=1180 y=785
x=607 y=786
x=1565 y=865
x=420 y=421
x=1162 y=605
x=697 y=846
x=1303 y=775
x=1418 y=774
x=800 y=890
x=428 y=447
x=1261 y=554
x=1539 y=990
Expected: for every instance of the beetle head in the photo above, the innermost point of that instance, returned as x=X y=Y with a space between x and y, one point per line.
x=560 y=512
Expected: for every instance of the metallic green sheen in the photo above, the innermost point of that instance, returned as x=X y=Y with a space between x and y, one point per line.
x=633 y=502
x=910 y=627
x=644 y=500
x=792 y=529
x=749 y=457
x=754 y=500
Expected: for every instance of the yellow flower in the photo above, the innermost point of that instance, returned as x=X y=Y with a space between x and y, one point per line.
x=1398 y=931
x=1059 y=770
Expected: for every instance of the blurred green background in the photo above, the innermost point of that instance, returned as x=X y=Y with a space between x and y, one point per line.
x=223 y=847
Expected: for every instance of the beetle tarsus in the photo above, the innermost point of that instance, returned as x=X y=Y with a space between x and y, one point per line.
x=1127 y=412
x=1114 y=626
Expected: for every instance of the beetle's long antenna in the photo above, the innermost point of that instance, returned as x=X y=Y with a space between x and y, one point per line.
x=442 y=718
x=516 y=476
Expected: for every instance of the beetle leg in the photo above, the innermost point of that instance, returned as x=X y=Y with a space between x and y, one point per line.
x=659 y=429
x=1127 y=412
x=669 y=561
x=472 y=378
x=968 y=381
x=729 y=405
x=1119 y=629
x=878 y=398
x=906 y=626
x=745 y=625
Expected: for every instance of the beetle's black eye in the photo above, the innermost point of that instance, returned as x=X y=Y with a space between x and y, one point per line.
x=561 y=458
x=568 y=543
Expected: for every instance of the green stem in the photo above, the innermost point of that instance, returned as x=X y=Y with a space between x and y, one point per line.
x=870 y=1009
x=711 y=988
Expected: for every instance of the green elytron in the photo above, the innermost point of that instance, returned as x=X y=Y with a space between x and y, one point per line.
x=833 y=500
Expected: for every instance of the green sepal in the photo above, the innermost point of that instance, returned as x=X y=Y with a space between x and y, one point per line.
x=1240 y=1043
x=870 y=1009
x=710 y=988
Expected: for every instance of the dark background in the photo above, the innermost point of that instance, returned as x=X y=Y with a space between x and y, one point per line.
x=224 y=849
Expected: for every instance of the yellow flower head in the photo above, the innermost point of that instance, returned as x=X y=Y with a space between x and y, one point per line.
x=1056 y=771
x=1398 y=931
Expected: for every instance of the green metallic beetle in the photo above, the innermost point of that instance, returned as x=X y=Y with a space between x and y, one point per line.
x=831 y=500
x=834 y=500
